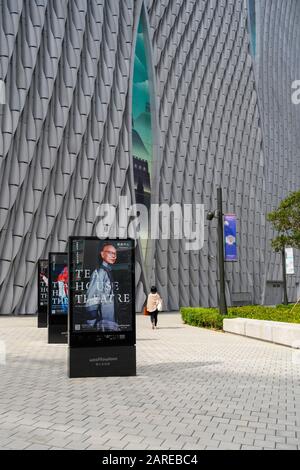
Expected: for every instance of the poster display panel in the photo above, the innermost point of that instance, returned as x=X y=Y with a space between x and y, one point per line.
x=102 y=303
x=42 y=292
x=58 y=297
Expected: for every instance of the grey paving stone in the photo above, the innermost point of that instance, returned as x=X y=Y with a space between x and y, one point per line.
x=135 y=447
x=260 y=425
x=75 y=445
x=232 y=416
x=196 y=401
x=153 y=443
x=37 y=447
x=289 y=434
x=292 y=441
x=192 y=447
x=264 y=444
x=287 y=447
x=229 y=446
x=276 y=427
x=225 y=427
x=18 y=444
x=203 y=435
x=131 y=439
x=59 y=427
x=243 y=441
x=249 y=447
x=246 y=429
x=56 y=442
x=222 y=437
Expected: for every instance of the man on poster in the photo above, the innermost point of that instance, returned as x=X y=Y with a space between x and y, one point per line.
x=101 y=305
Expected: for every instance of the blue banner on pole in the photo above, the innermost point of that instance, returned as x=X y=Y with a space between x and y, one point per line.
x=230 y=237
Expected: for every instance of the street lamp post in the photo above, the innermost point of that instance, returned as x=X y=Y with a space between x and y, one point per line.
x=223 y=306
x=218 y=214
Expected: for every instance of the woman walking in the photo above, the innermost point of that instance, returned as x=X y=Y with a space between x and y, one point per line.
x=154 y=305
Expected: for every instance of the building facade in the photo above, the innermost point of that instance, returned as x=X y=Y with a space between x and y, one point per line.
x=220 y=74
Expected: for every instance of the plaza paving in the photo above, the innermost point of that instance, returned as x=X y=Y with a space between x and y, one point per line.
x=195 y=389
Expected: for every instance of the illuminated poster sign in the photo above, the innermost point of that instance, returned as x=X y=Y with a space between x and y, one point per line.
x=58 y=270
x=58 y=298
x=43 y=283
x=230 y=237
x=102 y=288
x=42 y=292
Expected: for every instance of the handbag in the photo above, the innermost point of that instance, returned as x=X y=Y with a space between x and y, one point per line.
x=159 y=306
x=146 y=311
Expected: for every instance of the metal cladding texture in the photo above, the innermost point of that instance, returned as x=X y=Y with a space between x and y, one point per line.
x=64 y=146
x=277 y=65
x=65 y=132
x=210 y=136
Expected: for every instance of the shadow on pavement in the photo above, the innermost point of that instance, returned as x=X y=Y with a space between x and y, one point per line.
x=170 y=327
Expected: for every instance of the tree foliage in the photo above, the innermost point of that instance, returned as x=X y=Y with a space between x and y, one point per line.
x=286 y=221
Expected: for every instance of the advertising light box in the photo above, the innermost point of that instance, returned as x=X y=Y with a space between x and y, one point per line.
x=58 y=297
x=102 y=301
x=42 y=292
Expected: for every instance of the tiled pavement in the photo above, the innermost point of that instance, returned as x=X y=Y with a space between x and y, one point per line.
x=195 y=389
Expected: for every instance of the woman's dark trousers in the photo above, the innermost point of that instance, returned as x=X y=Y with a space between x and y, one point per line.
x=154 y=317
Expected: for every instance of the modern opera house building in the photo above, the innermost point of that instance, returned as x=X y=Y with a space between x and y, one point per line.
x=161 y=101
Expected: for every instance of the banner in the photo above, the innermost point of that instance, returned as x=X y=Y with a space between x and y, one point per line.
x=289 y=261
x=101 y=286
x=230 y=237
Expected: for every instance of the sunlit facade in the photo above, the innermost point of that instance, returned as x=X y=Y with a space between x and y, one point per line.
x=160 y=102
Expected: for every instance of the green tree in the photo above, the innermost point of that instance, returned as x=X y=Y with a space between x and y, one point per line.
x=286 y=221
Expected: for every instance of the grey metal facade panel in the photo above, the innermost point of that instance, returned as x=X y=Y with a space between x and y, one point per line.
x=65 y=146
x=277 y=66
x=65 y=132
x=211 y=135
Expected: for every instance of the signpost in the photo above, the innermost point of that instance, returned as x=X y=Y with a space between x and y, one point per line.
x=58 y=298
x=42 y=292
x=102 y=332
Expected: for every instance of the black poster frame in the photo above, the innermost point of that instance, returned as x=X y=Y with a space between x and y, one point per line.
x=58 y=323
x=91 y=339
x=42 y=309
